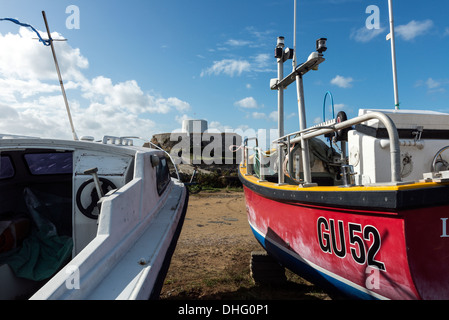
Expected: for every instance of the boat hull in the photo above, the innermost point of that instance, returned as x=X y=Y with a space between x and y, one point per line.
x=364 y=253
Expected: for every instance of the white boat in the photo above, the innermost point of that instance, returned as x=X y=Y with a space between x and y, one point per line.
x=86 y=220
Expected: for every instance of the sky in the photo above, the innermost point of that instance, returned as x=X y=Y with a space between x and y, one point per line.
x=141 y=67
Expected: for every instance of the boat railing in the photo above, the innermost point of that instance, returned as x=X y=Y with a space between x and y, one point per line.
x=158 y=148
x=285 y=143
x=246 y=154
x=120 y=141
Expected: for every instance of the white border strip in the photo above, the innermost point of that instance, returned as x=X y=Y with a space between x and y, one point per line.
x=322 y=270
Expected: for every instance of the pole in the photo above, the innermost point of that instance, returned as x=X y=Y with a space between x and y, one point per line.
x=303 y=126
x=281 y=92
x=294 y=39
x=393 y=55
x=301 y=113
x=280 y=59
x=75 y=137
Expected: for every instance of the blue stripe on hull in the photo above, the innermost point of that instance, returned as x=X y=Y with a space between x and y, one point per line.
x=308 y=271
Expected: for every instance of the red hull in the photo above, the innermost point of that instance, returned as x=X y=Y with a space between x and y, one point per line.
x=402 y=254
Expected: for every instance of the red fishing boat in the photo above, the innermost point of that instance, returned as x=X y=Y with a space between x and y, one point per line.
x=370 y=220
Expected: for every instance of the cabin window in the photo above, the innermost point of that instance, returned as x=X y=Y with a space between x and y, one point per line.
x=49 y=163
x=162 y=175
x=6 y=168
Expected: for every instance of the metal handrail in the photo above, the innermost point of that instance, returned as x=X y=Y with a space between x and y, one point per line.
x=383 y=118
x=246 y=153
x=434 y=161
x=158 y=148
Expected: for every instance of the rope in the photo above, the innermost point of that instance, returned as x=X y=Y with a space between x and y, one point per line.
x=45 y=42
x=235 y=148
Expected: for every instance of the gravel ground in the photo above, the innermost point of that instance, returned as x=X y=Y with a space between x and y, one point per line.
x=212 y=257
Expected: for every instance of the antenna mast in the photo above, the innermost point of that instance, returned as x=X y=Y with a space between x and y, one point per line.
x=393 y=55
x=75 y=137
x=294 y=62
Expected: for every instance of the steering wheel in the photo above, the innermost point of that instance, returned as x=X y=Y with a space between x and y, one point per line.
x=106 y=186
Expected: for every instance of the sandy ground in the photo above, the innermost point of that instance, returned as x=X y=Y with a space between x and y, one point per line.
x=212 y=257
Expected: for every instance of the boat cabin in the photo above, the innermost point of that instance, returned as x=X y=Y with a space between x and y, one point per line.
x=421 y=135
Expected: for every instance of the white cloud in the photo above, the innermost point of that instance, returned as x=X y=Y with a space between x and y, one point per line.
x=178 y=104
x=365 y=35
x=238 y=43
x=126 y=95
x=247 y=103
x=262 y=61
x=259 y=115
x=432 y=85
x=26 y=88
x=129 y=96
x=342 y=82
x=228 y=67
x=273 y=116
x=180 y=119
x=8 y=112
x=216 y=126
x=260 y=36
x=446 y=32
x=16 y=62
x=104 y=119
x=232 y=67
x=407 y=31
x=413 y=29
x=31 y=102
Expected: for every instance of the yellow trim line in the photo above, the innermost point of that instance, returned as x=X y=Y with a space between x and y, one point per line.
x=378 y=187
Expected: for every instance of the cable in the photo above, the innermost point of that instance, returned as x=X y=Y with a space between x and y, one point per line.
x=324 y=106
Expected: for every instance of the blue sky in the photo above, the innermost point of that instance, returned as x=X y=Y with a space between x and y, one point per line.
x=140 y=67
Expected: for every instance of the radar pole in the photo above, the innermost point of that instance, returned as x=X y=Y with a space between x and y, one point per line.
x=391 y=37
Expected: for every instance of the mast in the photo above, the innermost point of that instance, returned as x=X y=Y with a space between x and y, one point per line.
x=281 y=57
x=294 y=62
x=301 y=111
x=280 y=60
x=393 y=55
x=75 y=137
x=280 y=83
x=302 y=126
